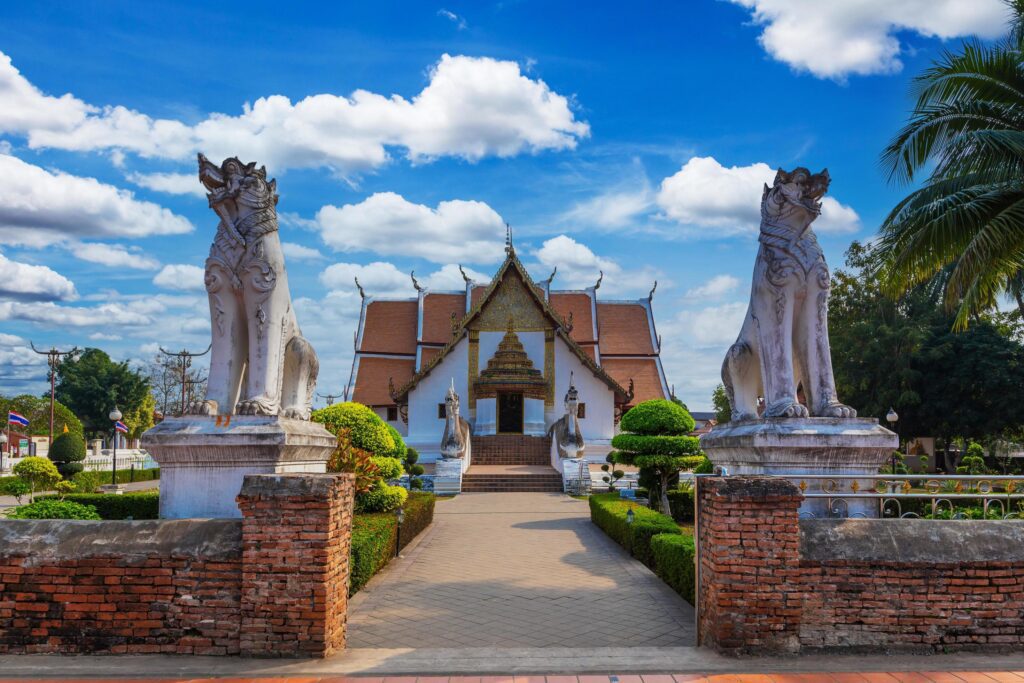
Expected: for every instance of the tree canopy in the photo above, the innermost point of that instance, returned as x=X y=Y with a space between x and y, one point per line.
x=37 y=410
x=92 y=384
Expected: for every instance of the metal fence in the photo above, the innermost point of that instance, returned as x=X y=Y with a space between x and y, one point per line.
x=104 y=461
x=914 y=495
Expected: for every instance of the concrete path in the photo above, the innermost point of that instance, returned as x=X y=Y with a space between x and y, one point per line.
x=517 y=570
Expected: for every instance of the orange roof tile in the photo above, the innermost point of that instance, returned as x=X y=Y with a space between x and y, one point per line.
x=390 y=327
x=372 y=379
x=589 y=349
x=437 y=316
x=427 y=354
x=623 y=330
x=582 y=319
x=476 y=294
x=643 y=372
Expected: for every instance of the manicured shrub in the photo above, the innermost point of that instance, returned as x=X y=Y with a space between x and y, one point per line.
x=381 y=498
x=643 y=444
x=608 y=512
x=388 y=468
x=65 y=487
x=38 y=473
x=400 y=448
x=673 y=562
x=681 y=503
x=365 y=428
x=348 y=458
x=13 y=486
x=419 y=513
x=141 y=505
x=67 y=453
x=86 y=481
x=658 y=416
x=374 y=537
x=52 y=508
x=973 y=462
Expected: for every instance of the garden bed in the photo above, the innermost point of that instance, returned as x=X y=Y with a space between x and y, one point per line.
x=374 y=536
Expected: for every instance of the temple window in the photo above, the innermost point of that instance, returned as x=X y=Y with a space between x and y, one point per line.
x=392 y=413
x=581 y=411
x=441 y=414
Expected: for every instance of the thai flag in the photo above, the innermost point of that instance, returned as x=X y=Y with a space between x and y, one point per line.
x=121 y=427
x=17 y=418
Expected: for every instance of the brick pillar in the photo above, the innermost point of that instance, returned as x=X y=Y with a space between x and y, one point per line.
x=296 y=532
x=749 y=594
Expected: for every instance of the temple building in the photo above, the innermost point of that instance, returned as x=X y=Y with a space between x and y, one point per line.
x=509 y=349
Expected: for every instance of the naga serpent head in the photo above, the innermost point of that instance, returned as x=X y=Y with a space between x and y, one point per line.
x=235 y=189
x=795 y=194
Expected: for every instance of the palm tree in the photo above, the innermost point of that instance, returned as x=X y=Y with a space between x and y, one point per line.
x=968 y=217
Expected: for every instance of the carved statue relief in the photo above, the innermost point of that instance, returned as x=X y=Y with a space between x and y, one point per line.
x=260 y=363
x=456 y=429
x=566 y=430
x=784 y=338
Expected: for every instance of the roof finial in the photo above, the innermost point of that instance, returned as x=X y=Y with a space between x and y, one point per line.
x=650 y=297
x=600 y=277
x=551 y=277
x=509 y=249
x=464 y=276
x=415 y=282
x=362 y=294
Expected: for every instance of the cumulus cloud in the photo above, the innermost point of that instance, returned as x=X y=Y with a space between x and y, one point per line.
x=180 y=276
x=40 y=207
x=386 y=223
x=716 y=287
x=26 y=282
x=169 y=183
x=49 y=313
x=834 y=39
x=449 y=278
x=298 y=252
x=472 y=107
x=382 y=279
x=726 y=201
x=103 y=336
x=579 y=267
x=113 y=255
x=460 y=22
x=615 y=209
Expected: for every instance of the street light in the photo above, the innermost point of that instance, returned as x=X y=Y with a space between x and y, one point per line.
x=400 y=516
x=115 y=416
x=629 y=516
x=891 y=418
x=3 y=447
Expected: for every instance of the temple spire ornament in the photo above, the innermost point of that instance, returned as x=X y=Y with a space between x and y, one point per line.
x=465 y=277
x=650 y=295
x=415 y=282
x=600 y=278
x=362 y=294
x=509 y=249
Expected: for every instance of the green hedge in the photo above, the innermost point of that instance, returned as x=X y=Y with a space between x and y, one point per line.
x=365 y=428
x=608 y=512
x=51 y=508
x=374 y=536
x=142 y=505
x=643 y=444
x=681 y=503
x=657 y=416
x=674 y=563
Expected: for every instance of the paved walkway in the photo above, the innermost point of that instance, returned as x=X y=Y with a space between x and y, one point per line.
x=517 y=570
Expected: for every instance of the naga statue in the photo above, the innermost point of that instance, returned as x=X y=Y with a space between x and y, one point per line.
x=456 y=429
x=566 y=430
x=260 y=363
x=784 y=343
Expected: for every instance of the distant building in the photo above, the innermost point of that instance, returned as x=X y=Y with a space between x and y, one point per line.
x=511 y=346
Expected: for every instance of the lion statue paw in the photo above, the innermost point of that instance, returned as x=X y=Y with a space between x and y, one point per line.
x=256 y=406
x=202 y=408
x=788 y=408
x=838 y=410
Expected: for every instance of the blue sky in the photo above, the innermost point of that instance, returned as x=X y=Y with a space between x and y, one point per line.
x=632 y=139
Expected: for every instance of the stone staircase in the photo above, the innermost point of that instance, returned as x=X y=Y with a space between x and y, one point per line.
x=511 y=463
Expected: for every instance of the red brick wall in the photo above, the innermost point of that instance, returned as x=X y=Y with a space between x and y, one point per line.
x=771 y=582
x=272 y=584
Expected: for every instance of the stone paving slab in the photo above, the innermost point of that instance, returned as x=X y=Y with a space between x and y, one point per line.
x=509 y=570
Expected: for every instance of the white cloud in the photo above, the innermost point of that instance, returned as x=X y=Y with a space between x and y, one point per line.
x=49 y=313
x=26 y=282
x=472 y=107
x=382 y=279
x=715 y=326
x=103 y=336
x=834 y=39
x=579 y=267
x=460 y=22
x=386 y=223
x=612 y=210
x=449 y=278
x=113 y=255
x=39 y=207
x=180 y=276
x=298 y=252
x=726 y=201
x=716 y=287
x=170 y=183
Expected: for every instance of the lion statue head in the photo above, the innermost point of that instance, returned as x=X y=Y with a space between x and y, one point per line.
x=794 y=199
x=236 y=190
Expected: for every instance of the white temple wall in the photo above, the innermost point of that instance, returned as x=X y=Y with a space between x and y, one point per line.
x=382 y=413
x=599 y=423
x=425 y=427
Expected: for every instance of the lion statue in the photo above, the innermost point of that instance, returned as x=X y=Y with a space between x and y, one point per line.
x=260 y=363
x=456 y=429
x=784 y=339
x=565 y=431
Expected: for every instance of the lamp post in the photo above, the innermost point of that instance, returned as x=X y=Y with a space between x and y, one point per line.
x=891 y=418
x=629 y=516
x=114 y=416
x=400 y=516
x=3 y=447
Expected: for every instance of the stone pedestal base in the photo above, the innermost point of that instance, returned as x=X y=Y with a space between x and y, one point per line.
x=798 y=446
x=204 y=459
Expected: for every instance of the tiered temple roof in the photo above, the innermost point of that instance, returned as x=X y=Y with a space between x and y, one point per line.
x=399 y=340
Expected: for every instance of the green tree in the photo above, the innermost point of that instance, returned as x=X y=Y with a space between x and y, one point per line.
x=720 y=401
x=67 y=453
x=37 y=410
x=973 y=462
x=655 y=441
x=38 y=473
x=967 y=131
x=141 y=418
x=92 y=384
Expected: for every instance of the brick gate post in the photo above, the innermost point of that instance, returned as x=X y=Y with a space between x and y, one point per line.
x=296 y=532
x=749 y=592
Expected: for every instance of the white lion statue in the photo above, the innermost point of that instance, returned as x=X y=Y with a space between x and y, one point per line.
x=784 y=339
x=260 y=363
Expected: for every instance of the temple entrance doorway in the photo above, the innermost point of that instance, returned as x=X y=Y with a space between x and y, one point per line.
x=510 y=413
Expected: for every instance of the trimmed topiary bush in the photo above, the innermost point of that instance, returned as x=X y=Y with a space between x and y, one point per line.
x=681 y=503
x=67 y=453
x=381 y=498
x=52 y=508
x=400 y=448
x=608 y=512
x=140 y=505
x=673 y=562
x=365 y=428
x=38 y=473
x=388 y=468
x=87 y=481
x=658 y=416
x=13 y=486
x=973 y=462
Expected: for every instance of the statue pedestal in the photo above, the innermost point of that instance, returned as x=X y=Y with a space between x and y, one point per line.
x=792 y=447
x=204 y=459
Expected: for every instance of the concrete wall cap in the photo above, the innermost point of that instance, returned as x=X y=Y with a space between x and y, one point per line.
x=291 y=484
